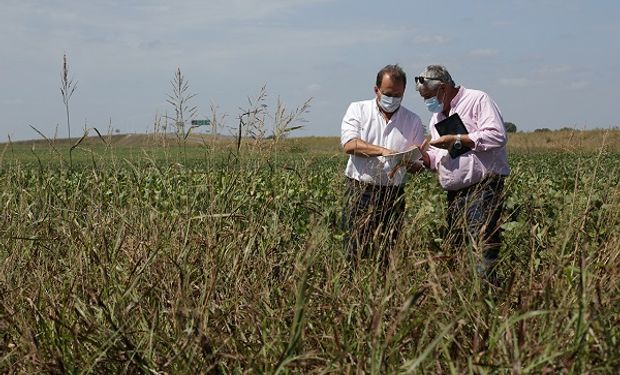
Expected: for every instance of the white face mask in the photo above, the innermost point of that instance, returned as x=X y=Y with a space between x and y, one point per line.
x=389 y=103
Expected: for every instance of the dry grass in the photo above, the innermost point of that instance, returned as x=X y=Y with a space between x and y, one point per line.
x=223 y=263
x=565 y=140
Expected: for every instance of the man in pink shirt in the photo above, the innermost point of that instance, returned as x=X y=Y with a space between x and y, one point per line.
x=474 y=180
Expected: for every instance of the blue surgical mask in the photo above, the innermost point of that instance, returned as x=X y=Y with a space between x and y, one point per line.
x=433 y=104
x=390 y=103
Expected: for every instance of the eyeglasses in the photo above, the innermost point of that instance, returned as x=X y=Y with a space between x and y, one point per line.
x=420 y=80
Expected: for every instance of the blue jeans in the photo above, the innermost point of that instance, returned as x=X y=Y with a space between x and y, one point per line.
x=474 y=215
x=371 y=218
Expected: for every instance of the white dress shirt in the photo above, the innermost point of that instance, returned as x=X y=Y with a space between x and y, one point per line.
x=363 y=120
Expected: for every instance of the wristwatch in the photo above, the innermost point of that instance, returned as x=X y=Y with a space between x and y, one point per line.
x=457 y=144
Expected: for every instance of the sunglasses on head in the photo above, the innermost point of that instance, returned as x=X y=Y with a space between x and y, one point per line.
x=421 y=80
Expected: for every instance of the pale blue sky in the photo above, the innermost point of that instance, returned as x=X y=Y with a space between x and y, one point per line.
x=547 y=63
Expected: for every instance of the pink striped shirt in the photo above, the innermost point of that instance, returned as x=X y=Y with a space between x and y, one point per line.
x=485 y=126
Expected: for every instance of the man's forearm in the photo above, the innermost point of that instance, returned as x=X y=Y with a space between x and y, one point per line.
x=361 y=148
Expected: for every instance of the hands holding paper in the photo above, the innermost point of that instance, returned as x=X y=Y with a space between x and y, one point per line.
x=413 y=159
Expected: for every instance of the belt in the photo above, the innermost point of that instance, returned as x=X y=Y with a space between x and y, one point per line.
x=368 y=186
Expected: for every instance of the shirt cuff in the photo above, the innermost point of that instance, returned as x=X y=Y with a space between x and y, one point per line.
x=475 y=137
x=431 y=157
x=345 y=139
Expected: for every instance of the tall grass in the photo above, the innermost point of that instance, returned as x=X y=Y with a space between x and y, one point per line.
x=211 y=261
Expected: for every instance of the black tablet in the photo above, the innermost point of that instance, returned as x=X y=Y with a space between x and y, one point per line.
x=453 y=125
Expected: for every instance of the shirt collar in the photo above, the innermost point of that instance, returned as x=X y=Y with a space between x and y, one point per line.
x=457 y=97
x=440 y=116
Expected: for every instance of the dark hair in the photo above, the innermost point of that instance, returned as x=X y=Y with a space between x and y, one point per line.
x=396 y=73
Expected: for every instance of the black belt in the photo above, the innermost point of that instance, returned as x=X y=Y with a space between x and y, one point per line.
x=368 y=186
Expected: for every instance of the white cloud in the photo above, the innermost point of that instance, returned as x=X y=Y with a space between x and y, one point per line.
x=115 y=33
x=556 y=69
x=135 y=23
x=11 y=101
x=482 y=53
x=579 y=85
x=313 y=88
x=501 y=23
x=431 y=39
x=515 y=82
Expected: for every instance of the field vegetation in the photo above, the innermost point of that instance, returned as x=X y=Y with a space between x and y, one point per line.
x=141 y=255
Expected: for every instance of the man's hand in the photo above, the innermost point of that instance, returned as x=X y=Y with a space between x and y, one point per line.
x=445 y=141
x=415 y=166
x=426 y=160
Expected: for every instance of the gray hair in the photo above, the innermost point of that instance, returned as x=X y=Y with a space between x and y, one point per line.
x=436 y=71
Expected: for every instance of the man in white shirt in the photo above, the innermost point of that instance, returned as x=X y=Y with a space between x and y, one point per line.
x=374 y=200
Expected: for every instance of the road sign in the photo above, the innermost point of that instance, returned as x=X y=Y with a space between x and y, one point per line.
x=201 y=122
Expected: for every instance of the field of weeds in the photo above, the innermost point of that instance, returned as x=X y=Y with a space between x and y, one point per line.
x=208 y=260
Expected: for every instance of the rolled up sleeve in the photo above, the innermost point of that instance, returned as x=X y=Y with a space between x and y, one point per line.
x=490 y=131
x=433 y=159
x=350 y=127
x=432 y=150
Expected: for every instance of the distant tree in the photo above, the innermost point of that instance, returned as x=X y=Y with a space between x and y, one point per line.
x=540 y=130
x=510 y=127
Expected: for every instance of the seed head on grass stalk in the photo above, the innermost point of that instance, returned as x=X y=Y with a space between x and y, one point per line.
x=285 y=123
x=253 y=122
x=179 y=99
x=252 y=119
x=67 y=88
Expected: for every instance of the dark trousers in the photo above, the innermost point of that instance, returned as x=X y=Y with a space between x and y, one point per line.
x=372 y=216
x=474 y=215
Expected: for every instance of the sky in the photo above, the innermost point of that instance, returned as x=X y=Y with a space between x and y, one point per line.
x=546 y=63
